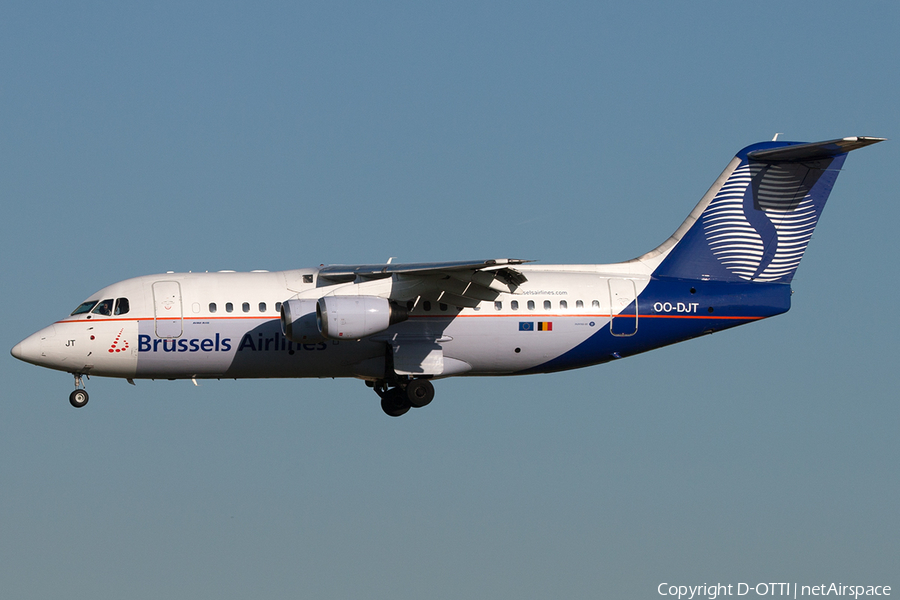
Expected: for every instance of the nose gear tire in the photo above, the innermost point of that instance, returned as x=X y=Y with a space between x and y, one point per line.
x=78 y=398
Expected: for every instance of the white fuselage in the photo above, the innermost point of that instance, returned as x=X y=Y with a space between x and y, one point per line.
x=211 y=325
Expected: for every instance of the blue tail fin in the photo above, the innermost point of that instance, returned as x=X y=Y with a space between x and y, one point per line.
x=756 y=220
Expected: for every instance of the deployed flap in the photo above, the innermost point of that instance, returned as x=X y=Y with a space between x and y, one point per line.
x=417 y=357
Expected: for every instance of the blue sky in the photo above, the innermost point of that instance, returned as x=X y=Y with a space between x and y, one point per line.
x=207 y=136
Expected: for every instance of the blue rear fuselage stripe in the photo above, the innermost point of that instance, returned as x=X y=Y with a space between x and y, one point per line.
x=674 y=310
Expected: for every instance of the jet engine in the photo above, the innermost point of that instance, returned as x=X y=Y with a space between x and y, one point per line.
x=355 y=317
x=298 y=321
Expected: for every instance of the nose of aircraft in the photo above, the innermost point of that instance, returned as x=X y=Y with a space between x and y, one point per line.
x=30 y=349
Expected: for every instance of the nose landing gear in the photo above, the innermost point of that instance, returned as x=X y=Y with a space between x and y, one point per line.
x=79 y=397
x=396 y=401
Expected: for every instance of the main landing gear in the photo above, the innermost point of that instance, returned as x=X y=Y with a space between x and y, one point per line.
x=79 y=397
x=396 y=401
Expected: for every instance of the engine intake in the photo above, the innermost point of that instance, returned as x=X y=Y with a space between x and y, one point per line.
x=298 y=321
x=355 y=317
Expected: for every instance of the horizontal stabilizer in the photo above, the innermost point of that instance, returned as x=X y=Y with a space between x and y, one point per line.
x=816 y=150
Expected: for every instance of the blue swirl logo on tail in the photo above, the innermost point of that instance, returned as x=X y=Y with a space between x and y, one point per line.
x=760 y=222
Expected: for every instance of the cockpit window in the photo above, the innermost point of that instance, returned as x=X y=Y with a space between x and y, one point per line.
x=84 y=307
x=104 y=307
x=122 y=306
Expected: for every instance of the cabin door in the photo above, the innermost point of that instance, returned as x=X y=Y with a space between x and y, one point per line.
x=623 y=307
x=167 y=308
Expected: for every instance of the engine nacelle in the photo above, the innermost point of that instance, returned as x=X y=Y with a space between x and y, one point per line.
x=298 y=321
x=355 y=317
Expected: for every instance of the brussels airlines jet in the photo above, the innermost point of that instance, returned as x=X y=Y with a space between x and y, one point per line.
x=399 y=326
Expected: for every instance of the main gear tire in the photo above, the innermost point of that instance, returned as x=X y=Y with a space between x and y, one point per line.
x=419 y=392
x=394 y=403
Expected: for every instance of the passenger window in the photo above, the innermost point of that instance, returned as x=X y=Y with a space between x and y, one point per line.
x=595 y=304
x=229 y=307
x=547 y=305
x=212 y=307
x=443 y=307
x=563 y=305
x=104 y=307
x=122 y=306
x=426 y=305
x=307 y=279
x=531 y=305
x=498 y=305
x=278 y=307
x=514 y=305
x=84 y=307
x=262 y=307
x=245 y=307
x=579 y=304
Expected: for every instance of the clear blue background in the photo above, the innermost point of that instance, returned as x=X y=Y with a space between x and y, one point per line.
x=232 y=135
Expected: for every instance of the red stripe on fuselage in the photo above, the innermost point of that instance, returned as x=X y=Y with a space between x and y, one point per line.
x=507 y=316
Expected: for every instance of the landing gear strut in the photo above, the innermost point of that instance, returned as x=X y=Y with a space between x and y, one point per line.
x=79 y=397
x=396 y=401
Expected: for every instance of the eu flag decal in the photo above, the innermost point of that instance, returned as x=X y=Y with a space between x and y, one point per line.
x=526 y=326
x=545 y=326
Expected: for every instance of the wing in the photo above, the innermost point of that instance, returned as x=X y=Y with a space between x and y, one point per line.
x=463 y=283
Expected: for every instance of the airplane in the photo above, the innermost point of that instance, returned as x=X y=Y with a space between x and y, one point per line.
x=398 y=327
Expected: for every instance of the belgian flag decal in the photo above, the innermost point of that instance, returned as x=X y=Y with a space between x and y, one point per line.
x=545 y=326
